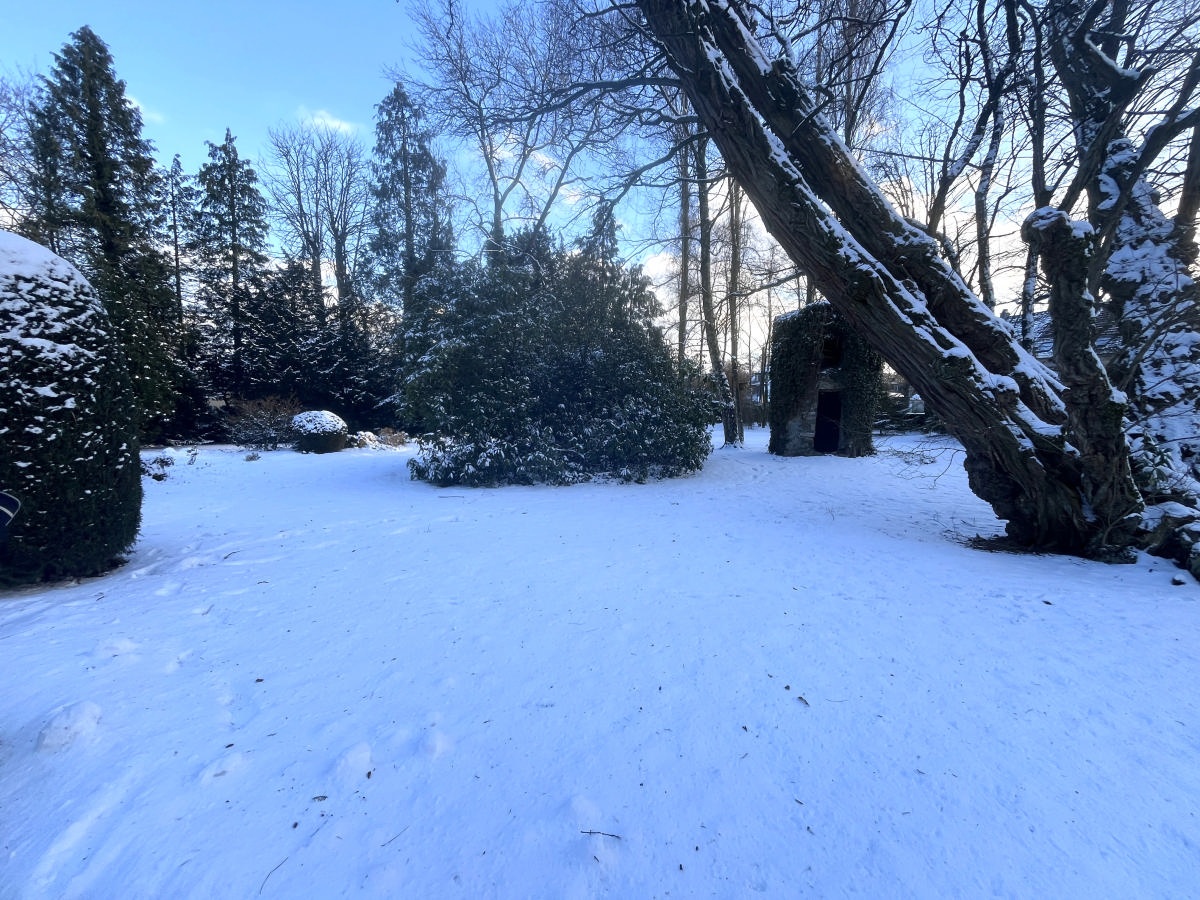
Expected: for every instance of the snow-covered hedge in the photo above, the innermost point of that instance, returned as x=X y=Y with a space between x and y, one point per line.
x=68 y=436
x=319 y=431
x=318 y=422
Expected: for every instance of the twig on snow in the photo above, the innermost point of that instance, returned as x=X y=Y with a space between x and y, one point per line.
x=389 y=840
x=269 y=874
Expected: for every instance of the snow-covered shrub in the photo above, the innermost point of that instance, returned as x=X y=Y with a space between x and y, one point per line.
x=542 y=367
x=319 y=431
x=156 y=468
x=481 y=460
x=68 y=434
x=387 y=439
x=264 y=424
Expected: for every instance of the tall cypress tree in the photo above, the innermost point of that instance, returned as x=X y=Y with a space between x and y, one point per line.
x=179 y=199
x=411 y=218
x=95 y=204
x=229 y=243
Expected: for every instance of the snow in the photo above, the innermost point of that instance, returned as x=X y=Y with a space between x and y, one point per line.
x=318 y=422
x=784 y=677
x=20 y=256
x=34 y=307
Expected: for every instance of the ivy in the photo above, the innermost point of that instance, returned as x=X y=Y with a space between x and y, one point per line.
x=801 y=363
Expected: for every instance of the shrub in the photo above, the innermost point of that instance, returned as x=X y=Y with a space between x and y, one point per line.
x=543 y=368
x=319 y=432
x=264 y=424
x=386 y=439
x=68 y=432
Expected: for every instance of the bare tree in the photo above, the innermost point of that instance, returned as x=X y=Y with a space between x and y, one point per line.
x=496 y=82
x=320 y=189
x=16 y=94
x=1120 y=65
x=289 y=176
x=1061 y=478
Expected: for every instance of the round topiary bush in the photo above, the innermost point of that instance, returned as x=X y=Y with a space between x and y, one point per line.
x=319 y=432
x=68 y=433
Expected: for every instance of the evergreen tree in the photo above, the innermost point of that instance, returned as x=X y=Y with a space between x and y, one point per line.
x=349 y=369
x=229 y=243
x=94 y=202
x=540 y=367
x=68 y=429
x=411 y=218
x=282 y=334
x=48 y=210
x=179 y=201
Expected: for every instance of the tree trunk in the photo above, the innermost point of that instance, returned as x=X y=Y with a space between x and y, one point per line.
x=1095 y=412
x=731 y=302
x=889 y=281
x=708 y=311
x=685 y=248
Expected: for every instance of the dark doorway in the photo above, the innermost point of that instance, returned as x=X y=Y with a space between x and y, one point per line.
x=831 y=351
x=827 y=436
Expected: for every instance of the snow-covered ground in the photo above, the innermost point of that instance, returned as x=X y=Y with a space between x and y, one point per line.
x=786 y=677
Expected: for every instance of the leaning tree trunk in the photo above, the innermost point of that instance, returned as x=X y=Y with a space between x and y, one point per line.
x=1023 y=455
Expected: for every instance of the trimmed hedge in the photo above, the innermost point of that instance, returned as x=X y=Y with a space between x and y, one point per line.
x=319 y=431
x=68 y=432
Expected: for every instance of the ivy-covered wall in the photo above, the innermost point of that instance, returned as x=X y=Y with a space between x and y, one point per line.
x=825 y=385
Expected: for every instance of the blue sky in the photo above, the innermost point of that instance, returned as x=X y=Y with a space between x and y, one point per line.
x=199 y=67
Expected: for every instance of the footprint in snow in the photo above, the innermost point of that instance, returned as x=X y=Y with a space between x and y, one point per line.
x=113 y=648
x=437 y=744
x=68 y=725
x=227 y=765
x=353 y=766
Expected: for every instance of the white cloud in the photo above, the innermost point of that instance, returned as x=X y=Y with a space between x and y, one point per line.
x=324 y=119
x=148 y=115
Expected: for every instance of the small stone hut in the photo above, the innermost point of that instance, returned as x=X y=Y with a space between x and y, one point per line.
x=825 y=385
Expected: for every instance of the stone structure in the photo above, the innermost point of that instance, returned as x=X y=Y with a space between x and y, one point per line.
x=825 y=384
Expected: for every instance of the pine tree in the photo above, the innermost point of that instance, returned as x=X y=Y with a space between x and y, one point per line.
x=229 y=243
x=411 y=218
x=282 y=332
x=94 y=193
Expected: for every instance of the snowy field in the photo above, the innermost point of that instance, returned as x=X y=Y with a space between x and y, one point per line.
x=779 y=677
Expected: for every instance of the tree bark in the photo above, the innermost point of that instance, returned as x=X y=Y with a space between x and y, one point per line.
x=685 y=247
x=889 y=281
x=708 y=311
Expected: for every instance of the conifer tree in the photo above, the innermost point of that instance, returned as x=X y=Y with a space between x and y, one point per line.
x=229 y=243
x=411 y=218
x=94 y=202
x=179 y=199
